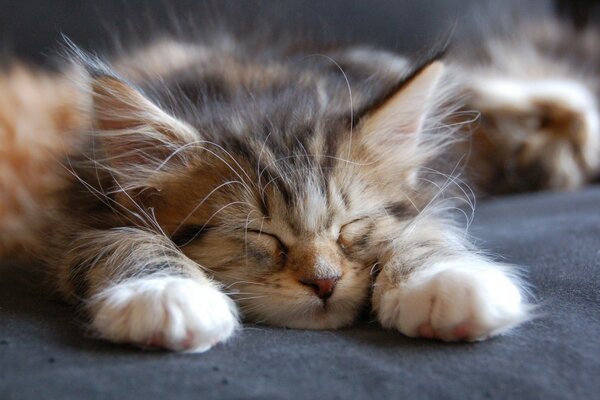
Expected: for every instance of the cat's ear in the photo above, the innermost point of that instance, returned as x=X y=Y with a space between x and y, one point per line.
x=133 y=130
x=399 y=116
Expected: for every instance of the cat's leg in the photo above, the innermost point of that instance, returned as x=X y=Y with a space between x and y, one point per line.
x=137 y=287
x=433 y=286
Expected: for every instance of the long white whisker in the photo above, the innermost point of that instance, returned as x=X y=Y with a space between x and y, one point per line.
x=197 y=206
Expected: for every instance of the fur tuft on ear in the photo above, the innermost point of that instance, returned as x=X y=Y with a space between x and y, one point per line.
x=134 y=132
x=400 y=118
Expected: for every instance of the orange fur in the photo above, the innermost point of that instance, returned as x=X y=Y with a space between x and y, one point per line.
x=209 y=185
x=38 y=113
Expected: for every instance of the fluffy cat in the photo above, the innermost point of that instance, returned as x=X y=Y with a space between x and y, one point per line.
x=288 y=186
x=534 y=80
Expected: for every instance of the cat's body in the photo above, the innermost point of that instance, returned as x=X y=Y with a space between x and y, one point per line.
x=296 y=183
x=534 y=80
x=40 y=115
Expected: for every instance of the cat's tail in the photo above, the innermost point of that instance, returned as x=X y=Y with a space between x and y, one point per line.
x=40 y=113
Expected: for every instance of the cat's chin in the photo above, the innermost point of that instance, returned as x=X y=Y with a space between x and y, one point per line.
x=333 y=316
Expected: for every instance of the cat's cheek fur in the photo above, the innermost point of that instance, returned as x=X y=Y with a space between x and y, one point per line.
x=166 y=312
x=454 y=301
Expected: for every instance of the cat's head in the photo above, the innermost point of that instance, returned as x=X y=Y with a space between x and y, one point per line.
x=286 y=195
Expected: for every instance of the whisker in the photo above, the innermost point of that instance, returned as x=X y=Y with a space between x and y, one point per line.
x=201 y=203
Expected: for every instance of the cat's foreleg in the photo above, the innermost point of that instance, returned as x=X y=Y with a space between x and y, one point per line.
x=137 y=287
x=433 y=285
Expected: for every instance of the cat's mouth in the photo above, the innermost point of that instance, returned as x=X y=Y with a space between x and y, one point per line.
x=325 y=314
x=323 y=309
x=291 y=308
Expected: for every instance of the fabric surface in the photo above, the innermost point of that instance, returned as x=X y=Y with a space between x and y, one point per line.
x=44 y=353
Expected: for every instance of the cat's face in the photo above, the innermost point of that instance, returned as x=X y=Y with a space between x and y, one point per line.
x=535 y=135
x=295 y=247
x=292 y=219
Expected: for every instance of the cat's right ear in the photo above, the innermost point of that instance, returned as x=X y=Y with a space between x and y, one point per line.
x=134 y=132
x=397 y=118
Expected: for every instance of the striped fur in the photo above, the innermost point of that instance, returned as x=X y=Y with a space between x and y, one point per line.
x=233 y=172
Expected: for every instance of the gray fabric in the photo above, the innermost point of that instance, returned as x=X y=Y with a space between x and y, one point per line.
x=43 y=353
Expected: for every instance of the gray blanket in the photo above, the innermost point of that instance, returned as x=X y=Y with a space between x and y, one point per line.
x=44 y=353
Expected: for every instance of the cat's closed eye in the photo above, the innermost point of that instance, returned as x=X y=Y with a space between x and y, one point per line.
x=187 y=234
x=354 y=233
x=269 y=241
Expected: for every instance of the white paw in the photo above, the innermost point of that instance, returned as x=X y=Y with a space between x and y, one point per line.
x=450 y=302
x=172 y=313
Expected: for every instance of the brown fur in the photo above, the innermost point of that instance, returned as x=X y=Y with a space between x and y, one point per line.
x=254 y=175
x=146 y=180
x=501 y=164
x=539 y=123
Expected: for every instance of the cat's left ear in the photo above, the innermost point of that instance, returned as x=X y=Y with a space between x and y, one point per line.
x=133 y=130
x=399 y=116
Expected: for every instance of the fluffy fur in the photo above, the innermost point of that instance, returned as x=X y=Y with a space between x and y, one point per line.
x=297 y=182
x=39 y=116
x=534 y=80
x=167 y=312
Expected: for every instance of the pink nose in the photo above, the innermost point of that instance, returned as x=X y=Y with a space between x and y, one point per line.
x=322 y=287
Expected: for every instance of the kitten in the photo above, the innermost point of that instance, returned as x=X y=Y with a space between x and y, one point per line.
x=534 y=80
x=289 y=187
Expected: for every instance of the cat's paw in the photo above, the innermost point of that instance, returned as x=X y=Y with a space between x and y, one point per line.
x=452 y=303
x=167 y=312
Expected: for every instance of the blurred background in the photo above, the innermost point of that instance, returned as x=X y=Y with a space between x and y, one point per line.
x=30 y=29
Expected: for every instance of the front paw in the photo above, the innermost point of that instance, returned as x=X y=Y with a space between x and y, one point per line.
x=172 y=313
x=452 y=303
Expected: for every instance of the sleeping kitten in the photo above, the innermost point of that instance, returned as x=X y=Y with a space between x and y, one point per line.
x=534 y=80
x=288 y=187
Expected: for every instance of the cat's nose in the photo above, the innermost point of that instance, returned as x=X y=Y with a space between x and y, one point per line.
x=323 y=287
